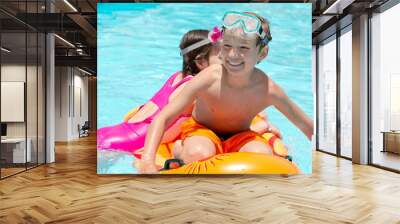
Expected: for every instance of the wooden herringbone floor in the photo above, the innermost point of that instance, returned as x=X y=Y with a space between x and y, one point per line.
x=70 y=191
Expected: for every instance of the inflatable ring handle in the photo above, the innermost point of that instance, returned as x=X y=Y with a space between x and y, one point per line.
x=168 y=162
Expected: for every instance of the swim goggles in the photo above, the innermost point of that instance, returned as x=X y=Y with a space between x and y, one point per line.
x=213 y=37
x=249 y=23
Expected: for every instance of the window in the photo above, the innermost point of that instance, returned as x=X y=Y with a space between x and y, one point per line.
x=346 y=92
x=385 y=89
x=327 y=95
x=22 y=67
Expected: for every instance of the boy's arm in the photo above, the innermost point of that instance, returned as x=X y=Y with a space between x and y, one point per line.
x=168 y=115
x=282 y=102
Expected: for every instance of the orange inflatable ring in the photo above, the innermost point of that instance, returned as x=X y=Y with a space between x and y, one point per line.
x=238 y=163
x=231 y=163
x=234 y=163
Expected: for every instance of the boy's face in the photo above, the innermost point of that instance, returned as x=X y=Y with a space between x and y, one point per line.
x=239 y=51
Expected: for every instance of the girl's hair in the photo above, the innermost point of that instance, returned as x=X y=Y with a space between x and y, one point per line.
x=189 y=66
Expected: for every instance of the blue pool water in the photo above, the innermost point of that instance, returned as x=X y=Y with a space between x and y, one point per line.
x=138 y=50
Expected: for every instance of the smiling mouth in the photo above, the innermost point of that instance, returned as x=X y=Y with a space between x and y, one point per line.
x=235 y=64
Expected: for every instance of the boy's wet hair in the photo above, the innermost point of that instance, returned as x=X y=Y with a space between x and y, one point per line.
x=189 y=66
x=265 y=27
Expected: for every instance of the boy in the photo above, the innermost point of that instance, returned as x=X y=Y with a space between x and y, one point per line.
x=227 y=97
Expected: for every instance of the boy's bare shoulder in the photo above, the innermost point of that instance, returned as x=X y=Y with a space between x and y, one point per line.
x=266 y=80
x=262 y=77
x=260 y=73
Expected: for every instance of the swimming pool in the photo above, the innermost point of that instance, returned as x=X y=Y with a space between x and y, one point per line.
x=138 y=50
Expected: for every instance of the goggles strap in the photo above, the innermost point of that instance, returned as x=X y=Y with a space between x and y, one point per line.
x=263 y=36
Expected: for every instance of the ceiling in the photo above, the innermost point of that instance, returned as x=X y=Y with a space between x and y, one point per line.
x=74 y=21
x=331 y=15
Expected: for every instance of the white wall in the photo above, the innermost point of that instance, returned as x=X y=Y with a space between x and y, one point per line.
x=71 y=87
x=13 y=72
x=16 y=73
x=10 y=73
x=61 y=103
x=12 y=101
x=33 y=127
x=80 y=83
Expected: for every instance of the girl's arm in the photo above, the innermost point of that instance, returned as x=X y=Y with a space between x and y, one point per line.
x=281 y=101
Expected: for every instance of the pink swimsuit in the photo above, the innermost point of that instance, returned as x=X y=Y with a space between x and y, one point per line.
x=131 y=136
